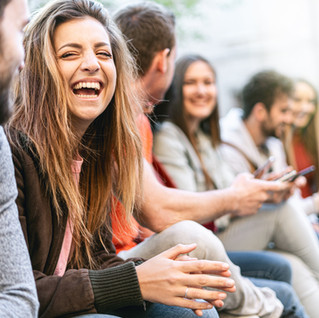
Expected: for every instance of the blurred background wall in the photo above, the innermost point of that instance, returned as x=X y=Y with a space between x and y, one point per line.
x=242 y=37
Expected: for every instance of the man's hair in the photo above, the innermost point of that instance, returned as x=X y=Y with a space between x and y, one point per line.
x=3 y=4
x=149 y=28
x=264 y=87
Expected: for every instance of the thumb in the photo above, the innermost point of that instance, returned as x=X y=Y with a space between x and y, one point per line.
x=175 y=251
x=273 y=185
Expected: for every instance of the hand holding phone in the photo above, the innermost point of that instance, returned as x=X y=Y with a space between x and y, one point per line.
x=260 y=171
x=288 y=176
x=303 y=172
x=293 y=175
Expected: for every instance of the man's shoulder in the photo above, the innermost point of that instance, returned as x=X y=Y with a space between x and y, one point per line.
x=3 y=140
x=5 y=151
x=274 y=141
x=275 y=145
x=7 y=180
x=231 y=125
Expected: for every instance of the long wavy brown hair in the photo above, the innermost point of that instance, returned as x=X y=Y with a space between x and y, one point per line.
x=110 y=147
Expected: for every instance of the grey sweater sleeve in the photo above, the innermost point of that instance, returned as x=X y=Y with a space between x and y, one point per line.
x=18 y=297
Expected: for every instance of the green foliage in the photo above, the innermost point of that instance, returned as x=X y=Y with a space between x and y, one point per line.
x=180 y=7
x=35 y=4
x=183 y=9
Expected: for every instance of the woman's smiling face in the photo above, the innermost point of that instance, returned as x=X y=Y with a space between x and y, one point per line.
x=199 y=91
x=304 y=104
x=85 y=60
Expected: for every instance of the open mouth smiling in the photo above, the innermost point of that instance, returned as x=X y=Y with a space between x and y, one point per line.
x=87 y=89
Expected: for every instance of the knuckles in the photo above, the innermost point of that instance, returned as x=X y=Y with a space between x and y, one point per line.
x=201 y=266
x=203 y=280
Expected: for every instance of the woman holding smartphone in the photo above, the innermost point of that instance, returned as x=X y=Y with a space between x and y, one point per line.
x=188 y=145
x=77 y=152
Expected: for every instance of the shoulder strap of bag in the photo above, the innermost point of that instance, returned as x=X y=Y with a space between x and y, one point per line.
x=252 y=165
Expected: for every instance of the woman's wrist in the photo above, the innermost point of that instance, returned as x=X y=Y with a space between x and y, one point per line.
x=116 y=287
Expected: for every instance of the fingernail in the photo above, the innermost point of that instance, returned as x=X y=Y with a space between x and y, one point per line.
x=229 y=283
x=222 y=295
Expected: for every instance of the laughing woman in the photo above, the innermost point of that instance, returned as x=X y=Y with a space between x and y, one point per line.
x=72 y=135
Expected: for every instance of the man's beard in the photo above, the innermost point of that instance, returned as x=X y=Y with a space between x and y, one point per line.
x=267 y=131
x=5 y=99
x=273 y=131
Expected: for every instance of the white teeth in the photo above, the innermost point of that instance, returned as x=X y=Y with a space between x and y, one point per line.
x=94 y=85
x=86 y=96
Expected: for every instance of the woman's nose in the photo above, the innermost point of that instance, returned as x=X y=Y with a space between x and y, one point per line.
x=201 y=89
x=90 y=63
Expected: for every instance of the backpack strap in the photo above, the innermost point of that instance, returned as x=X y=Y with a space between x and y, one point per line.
x=252 y=165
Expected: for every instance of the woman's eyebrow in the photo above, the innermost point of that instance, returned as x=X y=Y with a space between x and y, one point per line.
x=100 y=44
x=78 y=46
x=74 y=45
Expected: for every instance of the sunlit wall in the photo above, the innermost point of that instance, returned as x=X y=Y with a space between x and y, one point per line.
x=241 y=37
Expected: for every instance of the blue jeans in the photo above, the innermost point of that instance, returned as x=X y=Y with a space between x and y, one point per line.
x=154 y=311
x=267 y=269
x=287 y=296
x=262 y=264
x=160 y=311
x=96 y=316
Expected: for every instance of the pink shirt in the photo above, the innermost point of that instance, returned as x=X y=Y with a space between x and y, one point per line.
x=67 y=240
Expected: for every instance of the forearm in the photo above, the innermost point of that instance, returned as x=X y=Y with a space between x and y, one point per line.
x=162 y=206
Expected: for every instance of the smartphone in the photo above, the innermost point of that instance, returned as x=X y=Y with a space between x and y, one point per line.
x=303 y=172
x=288 y=176
x=264 y=168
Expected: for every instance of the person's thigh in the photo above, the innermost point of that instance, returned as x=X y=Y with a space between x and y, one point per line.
x=294 y=234
x=184 y=232
x=304 y=283
x=262 y=264
x=287 y=227
x=209 y=247
x=285 y=294
x=249 y=233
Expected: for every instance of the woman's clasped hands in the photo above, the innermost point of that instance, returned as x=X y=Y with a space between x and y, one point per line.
x=173 y=278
